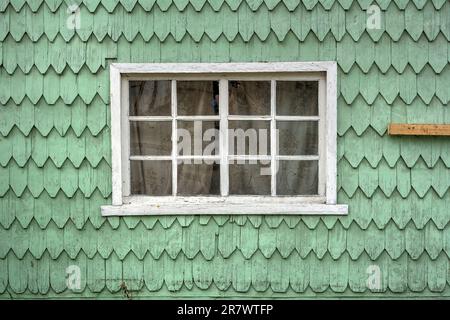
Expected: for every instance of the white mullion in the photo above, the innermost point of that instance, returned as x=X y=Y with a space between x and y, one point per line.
x=250 y=157
x=125 y=111
x=273 y=138
x=174 y=138
x=300 y=157
x=254 y=118
x=297 y=118
x=159 y=158
x=169 y=118
x=150 y=158
x=199 y=118
x=223 y=136
x=198 y=157
x=150 y=118
x=322 y=137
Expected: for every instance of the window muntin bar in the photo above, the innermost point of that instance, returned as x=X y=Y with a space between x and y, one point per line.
x=223 y=117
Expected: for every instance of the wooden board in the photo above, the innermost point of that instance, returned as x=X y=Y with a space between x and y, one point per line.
x=419 y=129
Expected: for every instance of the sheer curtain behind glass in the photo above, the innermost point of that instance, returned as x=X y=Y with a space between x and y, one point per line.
x=153 y=138
x=250 y=98
x=294 y=98
x=297 y=98
x=150 y=98
x=198 y=177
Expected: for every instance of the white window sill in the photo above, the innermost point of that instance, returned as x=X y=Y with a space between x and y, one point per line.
x=145 y=206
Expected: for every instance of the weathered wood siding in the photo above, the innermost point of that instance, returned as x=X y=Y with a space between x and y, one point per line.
x=55 y=162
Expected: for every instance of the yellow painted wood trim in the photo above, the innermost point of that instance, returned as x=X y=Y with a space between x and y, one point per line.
x=405 y=129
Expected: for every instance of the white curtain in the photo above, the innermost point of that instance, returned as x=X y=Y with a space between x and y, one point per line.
x=151 y=98
x=297 y=138
x=197 y=98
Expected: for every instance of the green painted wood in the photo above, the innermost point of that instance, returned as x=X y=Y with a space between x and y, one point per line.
x=100 y=23
x=173 y=276
x=414 y=22
x=202 y=274
x=55 y=157
x=408 y=86
x=365 y=53
x=418 y=53
x=355 y=21
x=114 y=273
x=17 y=89
x=374 y=241
x=259 y=272
x=207 y=241
x=152 y=271
x=241 y=273
x=51 y=87
x=133 y=272
x=301 y=275
x=337 y=238
x=267 y=240
x=432 y=18
x=339 y=275
x=438 y=212
x=96 y=269
x=420 y=178
x=417 y=271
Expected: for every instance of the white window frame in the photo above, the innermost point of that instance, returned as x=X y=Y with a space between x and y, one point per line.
x=123 y=204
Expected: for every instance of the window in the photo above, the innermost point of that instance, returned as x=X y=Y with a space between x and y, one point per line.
x=229 y=138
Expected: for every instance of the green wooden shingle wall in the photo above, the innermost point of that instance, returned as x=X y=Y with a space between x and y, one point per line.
x=55 y=158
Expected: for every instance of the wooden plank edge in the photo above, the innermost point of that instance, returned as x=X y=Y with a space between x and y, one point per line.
x=405 y=129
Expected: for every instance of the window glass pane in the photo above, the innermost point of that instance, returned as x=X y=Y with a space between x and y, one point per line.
x=151 y=177
x=150 y=138
x=249 y=137
x=198 y=138
x=197 y=98
x=250 y=178
x=249 y=97
x=297 y=98
x=297 y=177
x=198 y=179
x=150 y=98
x=298 y=137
